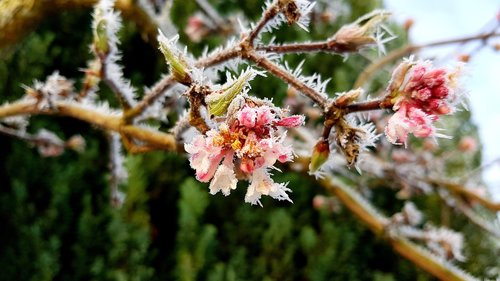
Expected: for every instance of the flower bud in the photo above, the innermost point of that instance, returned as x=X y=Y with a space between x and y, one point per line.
x=101 y=39
x=346 y=98
x=464 y=58
x=197 y=27
x=49 y=144
x=361 y=32
x=178 y=64
x=219 y=101
x=320 y=155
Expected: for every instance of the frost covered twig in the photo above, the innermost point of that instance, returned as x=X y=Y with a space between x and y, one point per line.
x=267 y=16
x=211 y=13
x=48 y=144
x=378 y=64
x=466 y=193
x=105 y=120
x=167 y=81
x=118 y=173
x=286 y=76
x=349 y=38
x=377 y=223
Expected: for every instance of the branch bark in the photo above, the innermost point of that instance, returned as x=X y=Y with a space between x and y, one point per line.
x=110 y=122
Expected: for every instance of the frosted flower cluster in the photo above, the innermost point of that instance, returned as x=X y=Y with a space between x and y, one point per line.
x=248 y=144
x=420 y=94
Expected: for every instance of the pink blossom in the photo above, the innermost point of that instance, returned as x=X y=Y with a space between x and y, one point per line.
x=249 y=144
x=204 y=157
x=421 y=94
x=291 y=122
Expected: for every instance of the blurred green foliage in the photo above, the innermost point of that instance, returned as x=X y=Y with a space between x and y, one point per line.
x=57 y=223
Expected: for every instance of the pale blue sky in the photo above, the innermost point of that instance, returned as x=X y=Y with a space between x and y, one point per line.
x=441 y=19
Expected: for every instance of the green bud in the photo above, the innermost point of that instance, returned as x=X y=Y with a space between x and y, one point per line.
x=320 y=155
x=218 y=102
x=178 y=65
x=101 y=39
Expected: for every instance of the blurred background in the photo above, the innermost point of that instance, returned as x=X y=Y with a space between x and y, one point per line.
x=57 y=223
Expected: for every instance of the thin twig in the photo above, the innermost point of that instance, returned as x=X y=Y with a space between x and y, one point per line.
x=268 y=15
x=330 y=45
x=286 y=76
x=369 y=105
x=377 y=224
x=475 y=219
x=481 y=168
x=33 y=139
x=112 y=84
x=118 y=174
x=368 y=72
x=159 y=140
x=167 y=81
x=466 y=193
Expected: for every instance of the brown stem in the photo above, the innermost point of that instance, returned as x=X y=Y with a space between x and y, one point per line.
x=322 y=46
x=479 y=221
x=369 y=105
x=286 y=76
x=269 y=14
x=150 y=98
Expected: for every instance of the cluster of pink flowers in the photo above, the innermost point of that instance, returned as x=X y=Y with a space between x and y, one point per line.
x=248 y=144
x=420 y=94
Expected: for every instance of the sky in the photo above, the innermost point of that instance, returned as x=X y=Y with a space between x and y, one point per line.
x=441 y=19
